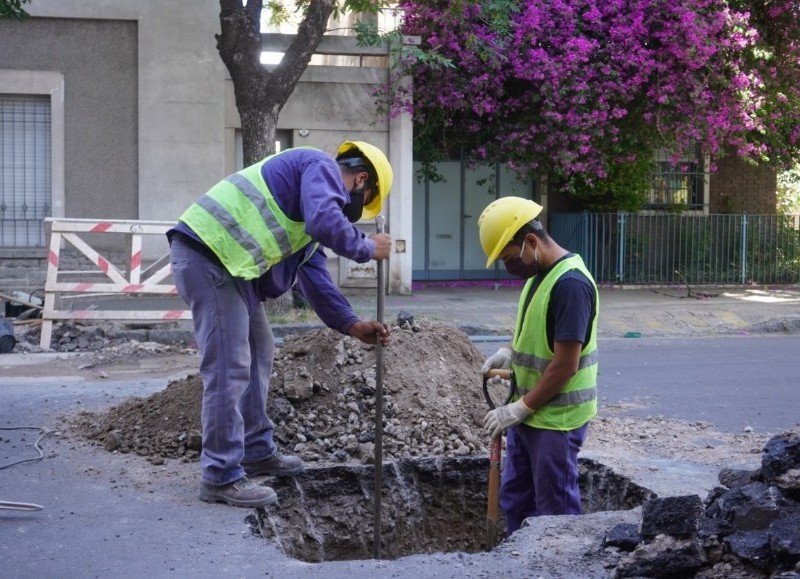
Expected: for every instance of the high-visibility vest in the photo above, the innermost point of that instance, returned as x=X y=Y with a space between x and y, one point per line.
x=242 y=224
x=577 y=402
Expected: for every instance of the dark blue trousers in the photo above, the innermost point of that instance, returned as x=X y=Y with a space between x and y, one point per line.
x=540 y=473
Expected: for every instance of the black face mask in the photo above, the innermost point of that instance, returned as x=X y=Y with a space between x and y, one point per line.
x=355 y=208
x=518 y=268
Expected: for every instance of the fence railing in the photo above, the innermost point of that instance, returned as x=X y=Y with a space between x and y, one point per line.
x=630 y=248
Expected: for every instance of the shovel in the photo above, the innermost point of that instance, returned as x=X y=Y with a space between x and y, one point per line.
x=493 y=400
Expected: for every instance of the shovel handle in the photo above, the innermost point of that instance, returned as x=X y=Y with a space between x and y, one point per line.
x=493 y=494
x=503 y=374
x=499 y=372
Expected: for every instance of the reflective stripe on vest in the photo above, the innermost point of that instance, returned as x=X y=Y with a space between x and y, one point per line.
x=577 y=402
x=257 y=198
x=239 y=220
x=531 y=361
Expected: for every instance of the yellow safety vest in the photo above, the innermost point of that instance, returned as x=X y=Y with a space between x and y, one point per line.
x=242 y=224
x=577 y=402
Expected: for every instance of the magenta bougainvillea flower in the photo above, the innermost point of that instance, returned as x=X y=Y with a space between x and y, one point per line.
x=574 y=86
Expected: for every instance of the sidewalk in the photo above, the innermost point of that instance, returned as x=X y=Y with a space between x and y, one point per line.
x=487 y=312
x=484 y=310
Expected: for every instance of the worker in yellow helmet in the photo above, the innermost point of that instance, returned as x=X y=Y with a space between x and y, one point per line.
x=553 y=356
x=250 y=238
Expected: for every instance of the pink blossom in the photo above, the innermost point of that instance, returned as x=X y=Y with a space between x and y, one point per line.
x=571 y=86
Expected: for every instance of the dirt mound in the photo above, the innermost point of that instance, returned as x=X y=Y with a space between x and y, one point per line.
x=322 y=400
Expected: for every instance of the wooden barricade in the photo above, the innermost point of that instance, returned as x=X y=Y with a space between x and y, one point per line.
x=133 y=282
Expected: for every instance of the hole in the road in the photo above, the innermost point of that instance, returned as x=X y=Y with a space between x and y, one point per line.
x=428 y=505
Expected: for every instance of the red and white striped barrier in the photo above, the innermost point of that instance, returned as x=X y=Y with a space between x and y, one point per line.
x=136 y=281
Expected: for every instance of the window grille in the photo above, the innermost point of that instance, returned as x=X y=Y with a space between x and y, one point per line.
x=25 y=169
x=678 y=185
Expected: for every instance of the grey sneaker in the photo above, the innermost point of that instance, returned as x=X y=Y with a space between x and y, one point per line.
x=276 y=465
x=241 y=493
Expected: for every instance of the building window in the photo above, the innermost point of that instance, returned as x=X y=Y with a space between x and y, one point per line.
x=25 y=169
x=681 y=185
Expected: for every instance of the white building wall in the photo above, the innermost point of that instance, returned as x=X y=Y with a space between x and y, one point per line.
x=181 y=95
x=186 y=121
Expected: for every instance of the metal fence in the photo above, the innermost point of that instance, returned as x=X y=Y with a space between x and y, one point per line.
x=629 y=248
x=23 y=225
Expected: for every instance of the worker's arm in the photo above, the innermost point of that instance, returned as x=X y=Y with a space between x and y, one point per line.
x=558 y=373
x=322 y=197
x=307 y=185
x=370 y=331
x=316 y=285
x=331 y=306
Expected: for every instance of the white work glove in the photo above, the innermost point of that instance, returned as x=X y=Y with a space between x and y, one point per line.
x=497 y=420
x=500 y=359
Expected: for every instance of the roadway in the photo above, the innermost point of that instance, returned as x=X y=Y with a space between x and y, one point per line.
x=733 y=382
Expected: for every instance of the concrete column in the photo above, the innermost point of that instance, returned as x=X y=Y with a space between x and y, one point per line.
x=401 y=135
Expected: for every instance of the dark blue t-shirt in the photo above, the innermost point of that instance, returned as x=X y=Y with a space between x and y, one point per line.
x=571 y=310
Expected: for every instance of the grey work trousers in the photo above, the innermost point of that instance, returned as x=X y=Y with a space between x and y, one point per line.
x=236 y=353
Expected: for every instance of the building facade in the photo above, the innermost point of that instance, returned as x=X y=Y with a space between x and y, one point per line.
x=124 y=110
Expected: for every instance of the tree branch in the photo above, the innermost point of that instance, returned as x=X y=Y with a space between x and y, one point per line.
x=305 y=43
x=240 y=41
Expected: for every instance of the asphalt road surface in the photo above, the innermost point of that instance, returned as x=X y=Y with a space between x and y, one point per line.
x=732 y=382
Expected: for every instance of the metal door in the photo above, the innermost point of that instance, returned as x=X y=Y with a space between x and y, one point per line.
x=446 y=212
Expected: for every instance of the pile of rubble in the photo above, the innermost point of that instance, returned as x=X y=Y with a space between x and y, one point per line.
x=322 y=401
x=77 y=337
x=748 y=528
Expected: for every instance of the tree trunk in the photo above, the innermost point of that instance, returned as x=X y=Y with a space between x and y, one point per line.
x=261 y=93
x=258 y=134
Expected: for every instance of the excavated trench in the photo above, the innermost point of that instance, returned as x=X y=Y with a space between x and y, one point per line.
x=428 y=505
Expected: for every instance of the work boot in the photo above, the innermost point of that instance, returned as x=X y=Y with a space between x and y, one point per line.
x=276 y=465
x=240 y=493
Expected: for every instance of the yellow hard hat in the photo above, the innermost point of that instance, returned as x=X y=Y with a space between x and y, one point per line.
x=383 y=171
x=501 y=220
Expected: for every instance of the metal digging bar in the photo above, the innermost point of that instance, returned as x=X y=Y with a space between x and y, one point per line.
x=378 y=489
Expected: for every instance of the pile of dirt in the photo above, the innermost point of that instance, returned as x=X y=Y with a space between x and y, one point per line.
x=322 y=401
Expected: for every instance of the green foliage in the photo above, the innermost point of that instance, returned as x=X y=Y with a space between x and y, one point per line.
x=367 y=34
x=773 y=250
x=573 y=89
x=789 y=191
x=625 y=188
x=500 y=13
x=280 y=11
x=358 y=7
x=637 y=250
x=13 y=9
